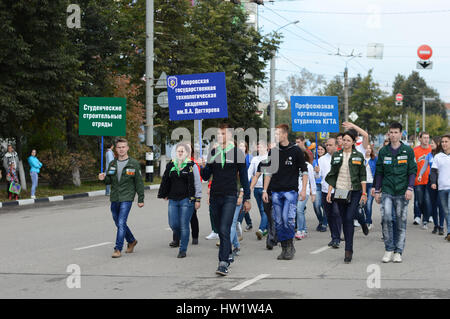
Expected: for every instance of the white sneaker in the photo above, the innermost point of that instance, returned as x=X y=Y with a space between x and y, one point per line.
x=304 y=234
x=417 y=221
x=387 y=256
x=213 y=235
x=424 y=227
x=430 y=220
x=397 y=258
x=298 y=235
x=369 y=226
x=356 y=224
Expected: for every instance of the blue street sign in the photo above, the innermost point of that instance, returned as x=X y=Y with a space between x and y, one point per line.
x=197 y=96
x=315 y=113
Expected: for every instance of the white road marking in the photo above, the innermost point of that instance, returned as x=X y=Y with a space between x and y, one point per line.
x=249 y=282
x=318 y=251
x=92 y=246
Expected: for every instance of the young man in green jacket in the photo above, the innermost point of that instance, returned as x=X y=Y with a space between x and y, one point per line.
x=124 y=176
x=394 y=181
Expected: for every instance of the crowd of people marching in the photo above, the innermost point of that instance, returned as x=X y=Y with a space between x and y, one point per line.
x=341 y=180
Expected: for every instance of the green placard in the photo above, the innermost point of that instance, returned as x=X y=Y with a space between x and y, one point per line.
x=102 y=116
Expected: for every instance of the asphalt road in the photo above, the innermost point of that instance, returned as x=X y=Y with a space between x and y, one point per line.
x=38 y=245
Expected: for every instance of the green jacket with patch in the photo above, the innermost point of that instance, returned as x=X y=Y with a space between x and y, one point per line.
x=356 y=168
x=130 y=182
x=395 y=170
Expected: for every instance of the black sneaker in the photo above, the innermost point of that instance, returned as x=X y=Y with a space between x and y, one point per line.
x=181 y=254
x=249 y=227
x=441 y=231
x=194 y=241
x=222 y=269
x=435 y=230
x=335 y=245
x=231 y=259
x=319 y=227
x=330 y=243
x=323 y=228
x=236 y=252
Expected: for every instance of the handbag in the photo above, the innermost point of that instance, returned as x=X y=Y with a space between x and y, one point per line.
x=342 y=194
x=15 y=188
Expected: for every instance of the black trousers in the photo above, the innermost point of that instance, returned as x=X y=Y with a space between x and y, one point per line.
x=333 y=217
x=348 y=212
x=271 y=230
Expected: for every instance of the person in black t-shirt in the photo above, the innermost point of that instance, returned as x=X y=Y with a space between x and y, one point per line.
x=286 y=162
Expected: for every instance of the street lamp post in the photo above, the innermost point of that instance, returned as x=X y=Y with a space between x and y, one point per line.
x=272 y=83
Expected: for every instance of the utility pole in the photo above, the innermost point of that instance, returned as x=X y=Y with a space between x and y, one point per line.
x=425 y=99
x=272 y=87
x=351 y=56
x=149 y=83
x=272 y=95
x=346 y=93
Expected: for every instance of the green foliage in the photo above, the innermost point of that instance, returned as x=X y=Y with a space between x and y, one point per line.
x=58 y=164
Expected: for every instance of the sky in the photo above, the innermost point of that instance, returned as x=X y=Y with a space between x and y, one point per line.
x=327 y=26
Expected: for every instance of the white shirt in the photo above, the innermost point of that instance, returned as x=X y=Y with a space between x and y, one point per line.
x=369 y=178
x=325 y=167
x=311 y=185
x=442 y=163
x=253 y=168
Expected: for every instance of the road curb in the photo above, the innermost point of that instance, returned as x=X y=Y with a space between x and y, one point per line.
x=29 y=201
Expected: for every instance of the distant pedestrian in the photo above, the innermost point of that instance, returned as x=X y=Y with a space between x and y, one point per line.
x=243 y=146
x=124 y=176
x=301 y=204
x=35 y=168
x=440 y=178
x=11 y=156
x=320 y=213
x=109 y=158
x=13 y=179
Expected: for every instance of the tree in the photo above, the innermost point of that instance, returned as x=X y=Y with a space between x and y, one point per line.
x=40 y=70
x=305 y=83
x=413 y=88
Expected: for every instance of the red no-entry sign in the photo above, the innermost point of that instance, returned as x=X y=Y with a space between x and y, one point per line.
x=399 y=97
x=424 y=52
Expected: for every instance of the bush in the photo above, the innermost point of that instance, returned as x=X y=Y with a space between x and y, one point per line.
x=58 y=165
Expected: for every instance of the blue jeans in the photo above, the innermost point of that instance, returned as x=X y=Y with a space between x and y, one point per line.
x=247 y=217
x=120 y=211
x=423 y=202
x=34 y=182
x=108 y=190
x=369 y=204
x=320 y=214
x=394 y=237
x=436 y=211
x=444 y=205
x=222 y=210
x=233 y=234
x=284 y=211
x=258 y=196
x=180 y=214
x=301 y=220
